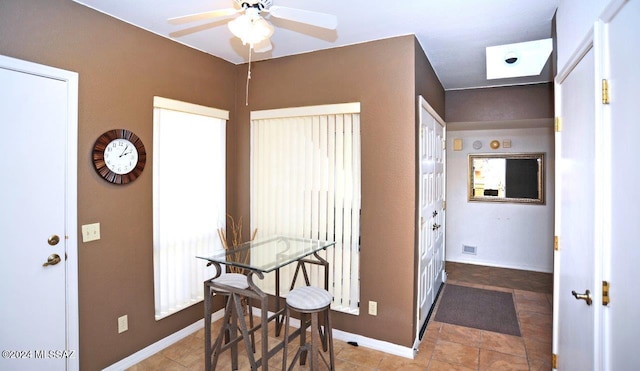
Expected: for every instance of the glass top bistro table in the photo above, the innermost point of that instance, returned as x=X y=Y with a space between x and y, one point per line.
x=259 y=257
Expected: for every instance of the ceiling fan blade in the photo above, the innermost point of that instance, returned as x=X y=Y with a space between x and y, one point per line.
x=204 y=15
x=263 y=46
x=194 y=29
x=328 y=21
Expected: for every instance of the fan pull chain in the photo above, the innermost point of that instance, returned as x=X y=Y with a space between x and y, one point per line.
x=246 y=98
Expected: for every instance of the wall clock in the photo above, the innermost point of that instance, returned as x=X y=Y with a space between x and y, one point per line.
x=119 y=156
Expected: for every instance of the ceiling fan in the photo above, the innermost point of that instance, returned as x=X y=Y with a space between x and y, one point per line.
x=252 y=28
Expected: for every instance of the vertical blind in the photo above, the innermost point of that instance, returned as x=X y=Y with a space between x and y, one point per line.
x=305 y=182
x=188 y=199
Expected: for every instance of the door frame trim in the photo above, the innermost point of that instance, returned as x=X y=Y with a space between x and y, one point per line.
x=71 y=194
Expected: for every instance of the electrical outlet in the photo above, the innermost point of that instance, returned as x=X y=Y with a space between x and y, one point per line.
x=90 y=232
x=123 y=324
x=373 y=308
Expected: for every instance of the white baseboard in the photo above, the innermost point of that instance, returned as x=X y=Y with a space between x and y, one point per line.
x=156 y=347
x=159 y=345
x=375 y=344
x=499 y=265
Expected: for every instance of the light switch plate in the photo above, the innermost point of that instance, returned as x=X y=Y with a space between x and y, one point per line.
x=90 y=232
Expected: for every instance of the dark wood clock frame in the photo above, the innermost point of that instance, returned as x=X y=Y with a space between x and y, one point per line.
x=98 y=156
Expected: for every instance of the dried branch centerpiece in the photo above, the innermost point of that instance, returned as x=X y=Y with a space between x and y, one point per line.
x=231 y=246
x=233 y=253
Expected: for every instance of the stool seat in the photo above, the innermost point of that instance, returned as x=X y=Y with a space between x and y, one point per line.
x=308 y=298
x=236 y=280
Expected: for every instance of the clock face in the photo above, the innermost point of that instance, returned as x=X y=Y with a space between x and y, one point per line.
x=119 y=156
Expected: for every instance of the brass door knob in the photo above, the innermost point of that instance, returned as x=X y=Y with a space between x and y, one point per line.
x=53 y=240
x=586 y=296
x=53 y=259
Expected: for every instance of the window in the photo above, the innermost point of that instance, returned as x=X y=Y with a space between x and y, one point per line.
x=188 y=199
x=305 y=182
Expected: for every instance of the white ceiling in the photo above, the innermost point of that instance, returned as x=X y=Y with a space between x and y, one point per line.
x=453 y=33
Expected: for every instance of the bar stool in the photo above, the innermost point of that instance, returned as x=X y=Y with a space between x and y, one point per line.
x=232 y=312
x=309 y=300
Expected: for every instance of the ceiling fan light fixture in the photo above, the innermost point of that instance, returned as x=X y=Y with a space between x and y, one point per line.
x=251 y=28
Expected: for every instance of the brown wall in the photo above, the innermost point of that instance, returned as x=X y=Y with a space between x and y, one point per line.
x=427 y=83
x=121 y=68
x=522 y=102
x=381 y=76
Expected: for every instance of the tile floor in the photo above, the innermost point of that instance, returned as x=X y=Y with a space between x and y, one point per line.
x=443 y=347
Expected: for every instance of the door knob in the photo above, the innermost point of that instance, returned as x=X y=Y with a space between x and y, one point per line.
x=53 y=259
x=586 y=296
x=53 y=240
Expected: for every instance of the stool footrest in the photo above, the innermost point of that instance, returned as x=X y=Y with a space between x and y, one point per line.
x=307 y=348
x=310 y=301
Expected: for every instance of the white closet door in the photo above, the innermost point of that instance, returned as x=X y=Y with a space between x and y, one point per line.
x=431 y=214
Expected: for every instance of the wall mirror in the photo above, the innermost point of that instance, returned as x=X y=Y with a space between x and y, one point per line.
x=507 y=177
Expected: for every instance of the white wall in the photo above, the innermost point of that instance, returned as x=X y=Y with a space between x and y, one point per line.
x=508 y=235
x=574 y=19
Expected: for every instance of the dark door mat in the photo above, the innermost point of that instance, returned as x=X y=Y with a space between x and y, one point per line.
x=478 y=308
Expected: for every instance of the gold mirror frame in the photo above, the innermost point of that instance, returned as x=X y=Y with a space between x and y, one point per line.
x=499 y=190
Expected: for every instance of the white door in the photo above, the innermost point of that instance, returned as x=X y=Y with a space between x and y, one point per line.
x=622 y=316
x=438 y=220
x=38 y=315
x=575 y=262
x=431 y=213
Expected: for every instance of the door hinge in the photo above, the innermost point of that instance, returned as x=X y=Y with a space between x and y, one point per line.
x=444 y=205
x=554 y=361
x=556 y=243
x=605 y=293
x=605 y=91
x=558 y=125
x=444 y=144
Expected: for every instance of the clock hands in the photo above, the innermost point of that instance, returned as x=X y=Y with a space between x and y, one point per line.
x=125 y=150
